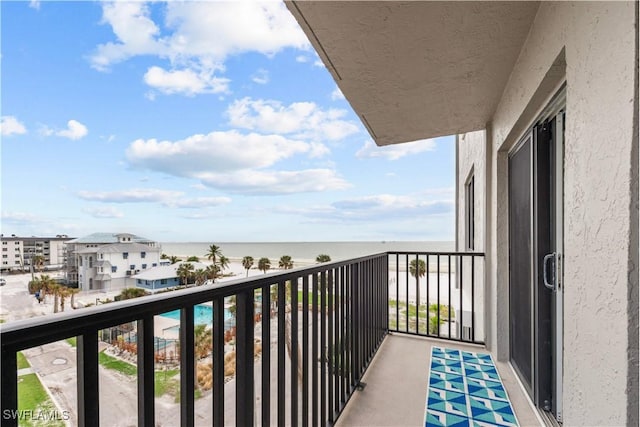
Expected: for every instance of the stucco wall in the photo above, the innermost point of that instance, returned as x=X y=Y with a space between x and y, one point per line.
x=598 y=43
x=470 y=153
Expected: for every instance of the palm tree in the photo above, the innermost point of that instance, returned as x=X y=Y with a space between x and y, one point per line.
x=200 y=276
x=73 y=292
x=54 y=288
x=193 y=258
x=44 y=284
x=247 y=263
x=417 y=268
x=184 y=271
x=128 y=293
x=223 y=262
x=264 y=264
x=323 y=258
x=164 y=256
x=174 y=259
x=214 y=253
x=213 y=271
x=64 y=293
x=203 y=341
x=285 y=262
x=38 y=262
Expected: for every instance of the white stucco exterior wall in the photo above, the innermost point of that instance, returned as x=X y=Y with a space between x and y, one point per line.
x=470 y=156
x=598 y=41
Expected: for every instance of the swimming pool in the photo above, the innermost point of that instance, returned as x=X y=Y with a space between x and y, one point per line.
x=202 y=314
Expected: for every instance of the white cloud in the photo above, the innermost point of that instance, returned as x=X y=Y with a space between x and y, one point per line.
x=261 y=76
x=216 y=151
x=9 y=125
x=18 y=217
x=381 y=207
x=395 y=151
x=237 y=162
x=169 y=198
x=302 y=119
x=75 y=130
x=199 y=202
x=275 y=182
x=186 y=81
x=302 y=59
x=337 y=94
x=136 y=195
x=34 y=4
x=104 y=212
x=196 y=37
x=135 y=30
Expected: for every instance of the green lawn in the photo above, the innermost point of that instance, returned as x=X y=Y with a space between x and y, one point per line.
x=22 y=361
x=110 y=362
x=165 y=381
x=72 y=341
x=32 y=396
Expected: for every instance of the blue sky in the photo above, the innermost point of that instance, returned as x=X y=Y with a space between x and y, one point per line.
x=193 y=121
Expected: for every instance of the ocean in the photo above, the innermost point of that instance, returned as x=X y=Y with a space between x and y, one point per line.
x=301 y=251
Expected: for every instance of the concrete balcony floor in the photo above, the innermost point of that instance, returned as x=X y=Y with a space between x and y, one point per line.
x=397 y=381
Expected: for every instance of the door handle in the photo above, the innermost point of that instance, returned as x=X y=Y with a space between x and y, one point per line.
x=545 y=262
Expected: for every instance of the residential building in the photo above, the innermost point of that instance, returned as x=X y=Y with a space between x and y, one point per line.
x=108 y=261
x=163 y=276
x=544 y=99
x=18 y=252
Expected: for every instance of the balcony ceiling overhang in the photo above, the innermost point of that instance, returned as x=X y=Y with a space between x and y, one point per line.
x=416 y=70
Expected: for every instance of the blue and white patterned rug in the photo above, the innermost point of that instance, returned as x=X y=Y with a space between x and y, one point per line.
x=465 y=389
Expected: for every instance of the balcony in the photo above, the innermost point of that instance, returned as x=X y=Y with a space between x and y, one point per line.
x=363 y=330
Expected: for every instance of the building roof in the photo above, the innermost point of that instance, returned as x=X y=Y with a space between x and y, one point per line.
x=37 y=238
x=166 y=271
x=117 y=248
x=104 y=238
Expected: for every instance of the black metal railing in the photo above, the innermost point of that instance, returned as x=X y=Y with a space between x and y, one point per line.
x=335 y=316
x=437 y=294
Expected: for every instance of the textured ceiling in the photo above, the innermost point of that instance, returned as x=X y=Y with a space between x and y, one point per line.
x=415 y=70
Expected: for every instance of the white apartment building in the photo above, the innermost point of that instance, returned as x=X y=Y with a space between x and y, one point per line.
x=17 y=252
x=107 y=261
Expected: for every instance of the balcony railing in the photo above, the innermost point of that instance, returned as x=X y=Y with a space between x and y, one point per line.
x=437 y=294
x=336 y=314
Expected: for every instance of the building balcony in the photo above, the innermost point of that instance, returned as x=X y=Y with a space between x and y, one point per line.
x=357 y=351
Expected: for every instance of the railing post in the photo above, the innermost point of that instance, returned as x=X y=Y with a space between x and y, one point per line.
x=266 y=356
x=282 y=403
x=88 y=394
x=244 y=358
x=9 y=391
x=187 y=366
x=218 y=361
x=146 y=369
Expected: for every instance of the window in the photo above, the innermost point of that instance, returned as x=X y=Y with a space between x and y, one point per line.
x=469 y=214
x=132 y=267
x=5 y=256
x=155 y=264
x=144 y=266
x=143 y=254
x=125 y=255
x=4 y=249
x=163 y=281
x=114 y=268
